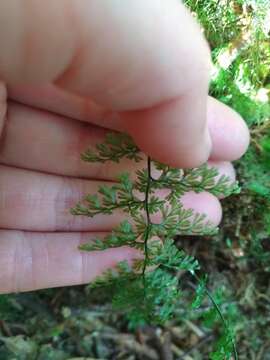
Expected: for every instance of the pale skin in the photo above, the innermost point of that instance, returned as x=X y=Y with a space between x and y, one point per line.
x=69 y=69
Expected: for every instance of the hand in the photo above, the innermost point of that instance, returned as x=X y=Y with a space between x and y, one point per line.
x=134 y=66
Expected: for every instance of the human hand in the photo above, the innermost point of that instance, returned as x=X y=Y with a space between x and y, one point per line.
x=134 y=66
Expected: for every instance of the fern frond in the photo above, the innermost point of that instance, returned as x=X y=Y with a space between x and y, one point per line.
x=148 y=290
x=115 y=147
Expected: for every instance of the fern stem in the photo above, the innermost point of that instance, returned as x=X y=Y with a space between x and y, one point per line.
x=148 y=220
x=213 y=301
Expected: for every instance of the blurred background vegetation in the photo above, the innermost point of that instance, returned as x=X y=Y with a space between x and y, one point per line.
x=74 y=323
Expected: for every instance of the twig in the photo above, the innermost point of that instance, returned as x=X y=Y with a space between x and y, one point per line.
x=130 y=343
x=5 y=328
x=195 y=329
x=164 y=345
x=178 y=352
x=196 y=346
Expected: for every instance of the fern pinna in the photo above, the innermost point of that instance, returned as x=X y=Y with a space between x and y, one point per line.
x=148 y=289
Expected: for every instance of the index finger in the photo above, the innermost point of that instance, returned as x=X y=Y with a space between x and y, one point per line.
x=146 y=60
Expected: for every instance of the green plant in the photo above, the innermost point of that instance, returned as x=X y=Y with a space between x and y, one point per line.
x=148 y=290
x=237 y=259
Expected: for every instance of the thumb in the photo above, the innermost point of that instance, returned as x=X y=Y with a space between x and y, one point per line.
x=146 y=60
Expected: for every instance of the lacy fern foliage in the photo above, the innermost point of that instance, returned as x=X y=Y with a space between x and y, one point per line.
x=148 y=289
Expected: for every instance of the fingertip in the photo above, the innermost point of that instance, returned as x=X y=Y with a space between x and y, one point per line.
x=195 y=155
x=172 y=152
x=229 y=132
x=203 y=203
x=224 y=168
x=171 y=133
